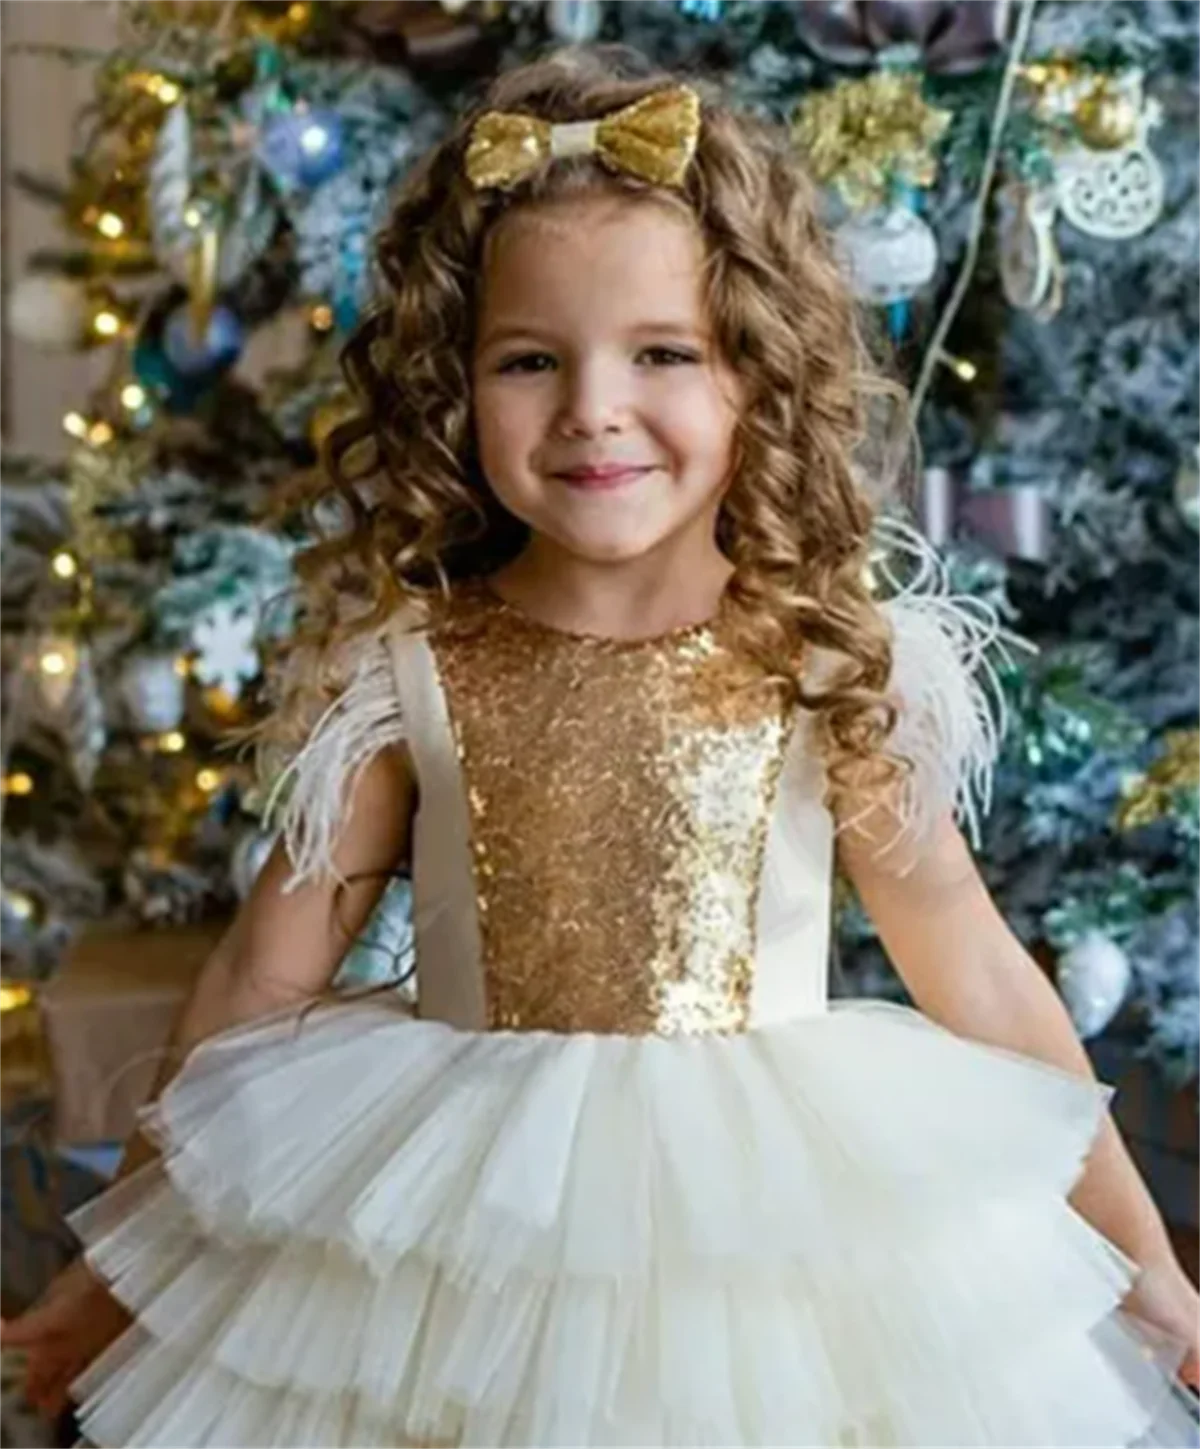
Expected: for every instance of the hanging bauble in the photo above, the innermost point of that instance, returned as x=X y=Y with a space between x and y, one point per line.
x=889 y=254
x=49 y=311
x=1114 y=191
x=303 y=146
x=1093 y=978
x=248 y=857
x=205 y=353
x=1107 y=117
x=1187 y=489
x=225 y=649
x=152 y=691
x=1031 y=271
x=576 y=21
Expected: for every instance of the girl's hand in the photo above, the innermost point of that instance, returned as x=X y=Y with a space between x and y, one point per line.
x=1164 y=1296
x=73 y=1321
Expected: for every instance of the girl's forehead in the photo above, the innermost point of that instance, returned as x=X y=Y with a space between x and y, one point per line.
x=600 y=222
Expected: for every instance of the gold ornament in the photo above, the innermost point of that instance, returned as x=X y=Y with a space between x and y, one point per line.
x=654 y=140
x=863 y=136
x=1107 y=116
x=1148 y=797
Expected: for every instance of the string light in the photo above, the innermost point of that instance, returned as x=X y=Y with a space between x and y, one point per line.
x=962 y=368
x=18 y=783
x=64 y=564
x=106 y=323
x=19 y=904
x=109 y=224
x=208 y=780
x=100 y=433
x=183 y=666
x=75 y=424
x=173 y=742
x=133 y=396
x=167 y=91
x=321 y=317
x=15 y=996
x=192 y=216
x=54 y=663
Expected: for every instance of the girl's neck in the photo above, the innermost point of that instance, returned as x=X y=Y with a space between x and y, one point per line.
x=640 y=599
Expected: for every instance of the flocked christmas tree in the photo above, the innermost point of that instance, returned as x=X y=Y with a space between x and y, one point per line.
x=1014 y=193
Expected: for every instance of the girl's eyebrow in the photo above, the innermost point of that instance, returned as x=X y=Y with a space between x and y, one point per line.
x=507 y=332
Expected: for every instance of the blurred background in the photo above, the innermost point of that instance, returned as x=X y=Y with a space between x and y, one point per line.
x=189 y=194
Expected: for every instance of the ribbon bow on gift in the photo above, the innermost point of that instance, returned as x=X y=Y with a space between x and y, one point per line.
x=653 y=139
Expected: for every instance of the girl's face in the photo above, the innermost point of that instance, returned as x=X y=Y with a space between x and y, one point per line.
x=604 y=417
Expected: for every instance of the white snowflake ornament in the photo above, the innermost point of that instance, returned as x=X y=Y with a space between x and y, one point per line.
x=224 y=641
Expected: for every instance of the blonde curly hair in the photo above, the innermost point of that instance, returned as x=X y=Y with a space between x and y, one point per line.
x=796 y=521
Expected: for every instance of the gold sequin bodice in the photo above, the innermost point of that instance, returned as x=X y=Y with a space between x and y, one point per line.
x=618 y=795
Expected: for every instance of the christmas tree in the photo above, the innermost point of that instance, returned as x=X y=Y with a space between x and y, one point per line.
x=1013 y=189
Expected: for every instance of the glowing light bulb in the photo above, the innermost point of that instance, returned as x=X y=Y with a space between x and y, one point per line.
x=314 y=138
x=100 y=433
x=109 y=224
x=174 y=742
x=18 y=784
x=64 y=564
x=75 y=424
x=54 y=663
x=208 y=780
x=106 y=323
x=133 y=396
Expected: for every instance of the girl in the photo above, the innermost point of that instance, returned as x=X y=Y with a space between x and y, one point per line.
x=609 y=671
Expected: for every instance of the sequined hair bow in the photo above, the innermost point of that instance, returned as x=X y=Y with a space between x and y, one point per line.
x=653 y=139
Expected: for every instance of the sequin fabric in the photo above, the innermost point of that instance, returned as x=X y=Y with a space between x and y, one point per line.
x=619 y=795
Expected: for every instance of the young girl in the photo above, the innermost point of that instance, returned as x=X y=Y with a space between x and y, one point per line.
x=612 y=673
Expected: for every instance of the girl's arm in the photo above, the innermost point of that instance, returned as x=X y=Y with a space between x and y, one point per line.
x=965 y=969
x=283 y=948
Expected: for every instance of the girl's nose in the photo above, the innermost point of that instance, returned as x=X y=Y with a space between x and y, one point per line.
x=593 y=402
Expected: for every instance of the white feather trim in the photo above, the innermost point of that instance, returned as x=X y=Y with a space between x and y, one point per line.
x=308 y=800
x=952 y=713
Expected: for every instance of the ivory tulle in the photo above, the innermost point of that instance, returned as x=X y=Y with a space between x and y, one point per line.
x=847 y=1229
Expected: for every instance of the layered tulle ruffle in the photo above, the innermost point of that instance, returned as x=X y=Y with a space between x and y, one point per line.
x=846 y=1229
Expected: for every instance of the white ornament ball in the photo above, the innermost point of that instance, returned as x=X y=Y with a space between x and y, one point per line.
x=574 y=20
x=248 y=858
x=152 y=691
x=50 y=312
x=1093 y=979
x=889 y=254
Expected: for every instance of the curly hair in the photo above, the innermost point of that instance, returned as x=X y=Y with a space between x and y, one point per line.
x=796 y=520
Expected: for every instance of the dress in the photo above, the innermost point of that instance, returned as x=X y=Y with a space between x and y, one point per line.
x=628 y=1176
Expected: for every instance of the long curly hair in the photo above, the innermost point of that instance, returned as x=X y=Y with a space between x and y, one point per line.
x=797 y=518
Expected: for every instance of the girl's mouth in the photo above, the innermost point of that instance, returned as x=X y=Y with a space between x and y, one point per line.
x=602 y=477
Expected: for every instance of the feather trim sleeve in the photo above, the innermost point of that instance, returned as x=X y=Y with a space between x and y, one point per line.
x=952 y=716
x=308 y=800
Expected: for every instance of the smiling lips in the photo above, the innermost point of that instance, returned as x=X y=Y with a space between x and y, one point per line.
x=600 y=477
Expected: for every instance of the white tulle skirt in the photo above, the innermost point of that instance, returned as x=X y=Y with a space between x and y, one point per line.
x=849 y=1229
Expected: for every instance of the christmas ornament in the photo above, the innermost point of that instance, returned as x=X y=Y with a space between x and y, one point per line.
x=1152 y=796
x=701 y=9
x=224 y=641
x=889 y=254
x=867 y=137
x=152 y=691
x=1108 y=116
x=1114 y=192
x=576 y=21
x=1093 y=978
x=248 y=857
x=1187 y=489
x=1031 y=270
x=303 y=146
x=204 y=354
x=48 y=311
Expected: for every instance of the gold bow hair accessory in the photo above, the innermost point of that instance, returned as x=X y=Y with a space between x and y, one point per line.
x=654 y=139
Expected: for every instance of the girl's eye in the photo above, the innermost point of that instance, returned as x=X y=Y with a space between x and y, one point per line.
x=668 y=356
x=527 y=362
